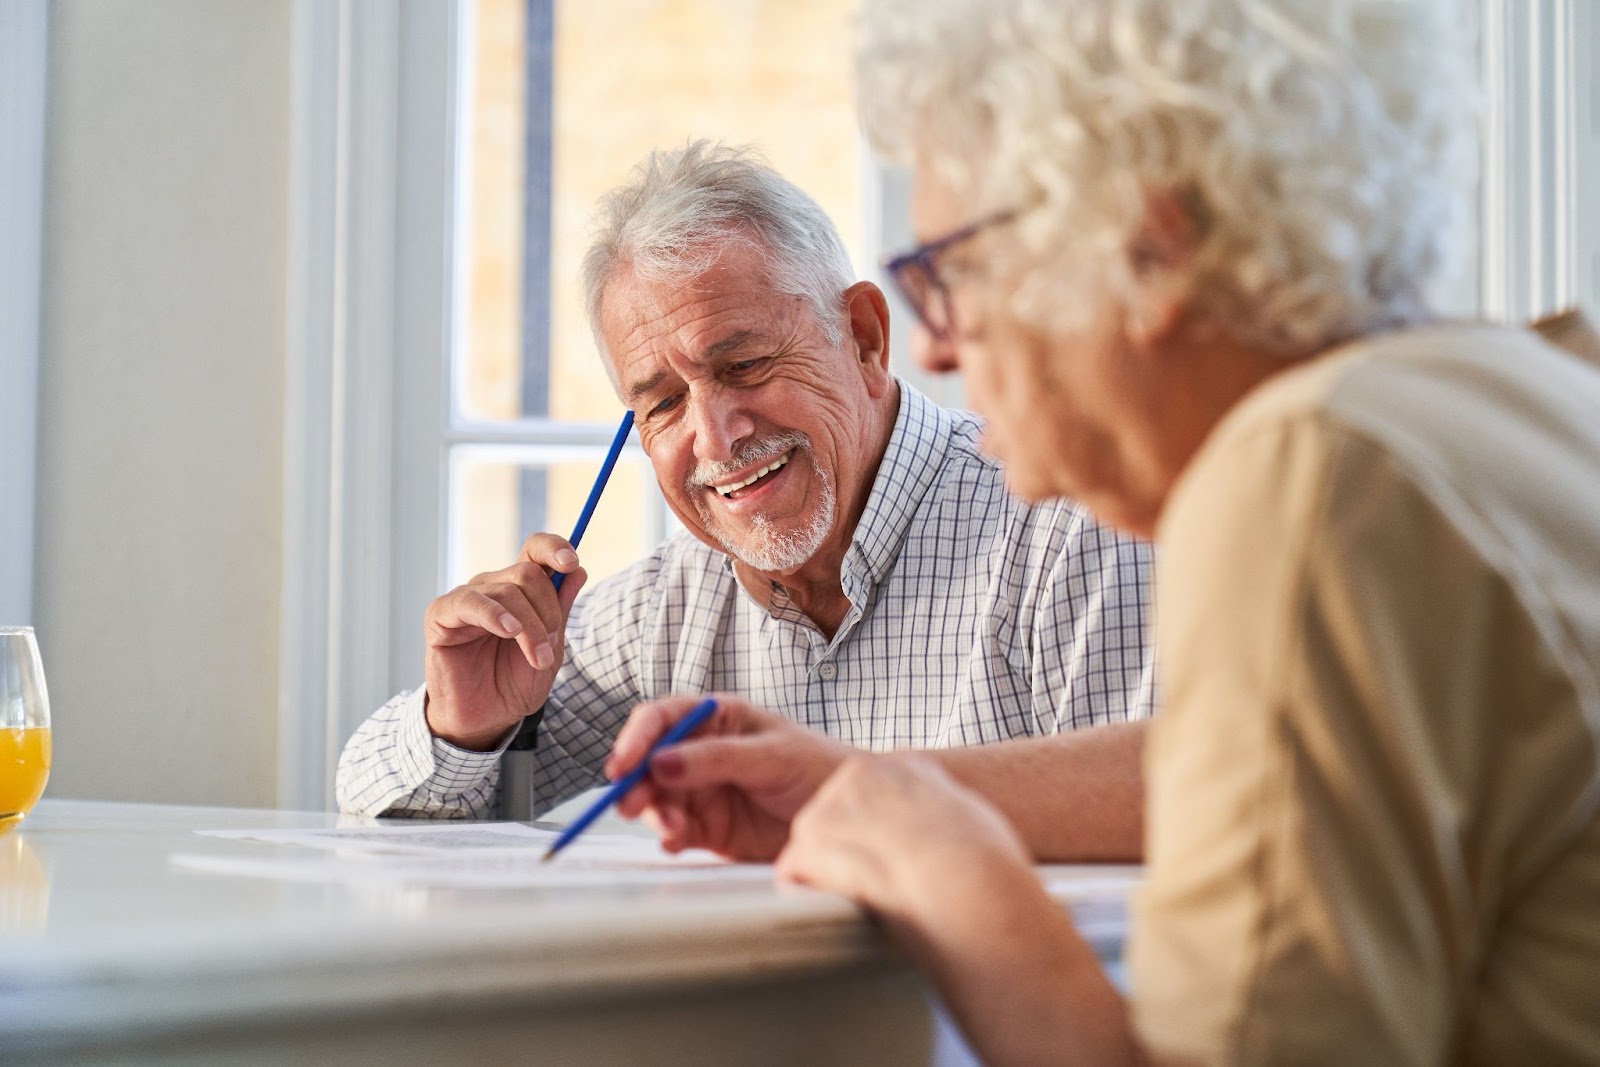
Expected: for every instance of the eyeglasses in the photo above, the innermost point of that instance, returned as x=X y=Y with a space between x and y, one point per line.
x=916 y=275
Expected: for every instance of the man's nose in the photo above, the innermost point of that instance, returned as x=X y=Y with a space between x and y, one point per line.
x=720 y=427
x=935 y=355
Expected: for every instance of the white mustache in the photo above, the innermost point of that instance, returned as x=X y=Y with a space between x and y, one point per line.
x=750 y=455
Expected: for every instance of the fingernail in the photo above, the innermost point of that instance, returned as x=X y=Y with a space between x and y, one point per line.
x=566 y=557
x=554 y=642
x=509 y=621
x=543 y=657
x=667 y=766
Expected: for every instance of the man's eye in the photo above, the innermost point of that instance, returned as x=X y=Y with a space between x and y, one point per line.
x=665 y=405
x=746 y=365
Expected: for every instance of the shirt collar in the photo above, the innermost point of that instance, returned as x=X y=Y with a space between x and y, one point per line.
x=911 y=462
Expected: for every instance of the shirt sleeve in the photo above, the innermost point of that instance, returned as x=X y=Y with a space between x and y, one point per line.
x=610 y=641
x=1091 y=654
x=1308 y=894
x=393 y=765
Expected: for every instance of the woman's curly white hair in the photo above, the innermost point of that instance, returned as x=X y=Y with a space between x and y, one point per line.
x=1319 y=144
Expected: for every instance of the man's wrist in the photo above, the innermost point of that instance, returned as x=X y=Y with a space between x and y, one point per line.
x=477 y=741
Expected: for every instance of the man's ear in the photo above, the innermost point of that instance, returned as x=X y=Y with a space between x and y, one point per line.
x=1161 y=252
x=867 y=313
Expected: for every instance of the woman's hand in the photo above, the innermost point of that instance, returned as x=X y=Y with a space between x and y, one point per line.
x=898 y=834
x=733 y=786
x=950 y=880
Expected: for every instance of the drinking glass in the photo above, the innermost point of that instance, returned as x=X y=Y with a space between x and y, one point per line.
x=24 y=725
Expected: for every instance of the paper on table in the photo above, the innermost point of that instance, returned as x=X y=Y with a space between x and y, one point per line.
x=507 y=855
x=480 y=870
x=1097 y=895
x=456 y=837
x=1091 y=879
x=487 y=855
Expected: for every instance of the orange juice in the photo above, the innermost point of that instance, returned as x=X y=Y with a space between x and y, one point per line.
x=24 y=766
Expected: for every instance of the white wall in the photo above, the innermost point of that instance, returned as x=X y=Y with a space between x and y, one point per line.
x=161 y=407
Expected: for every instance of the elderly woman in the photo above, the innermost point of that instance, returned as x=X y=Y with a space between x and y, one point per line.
x=1182 y=252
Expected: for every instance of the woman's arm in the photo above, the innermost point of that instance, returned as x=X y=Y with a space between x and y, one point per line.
x=952 y=881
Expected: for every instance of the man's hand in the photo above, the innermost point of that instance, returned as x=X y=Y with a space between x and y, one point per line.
x=494 y=645
x=733 y=786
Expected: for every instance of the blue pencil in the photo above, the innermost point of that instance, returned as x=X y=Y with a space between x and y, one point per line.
x=685 y=726
x=599 y=487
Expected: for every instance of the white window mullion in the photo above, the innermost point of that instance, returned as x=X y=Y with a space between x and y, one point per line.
x=340 y=386
x=430 y=283
x=1539 y=86
x=533 y=432
x=886 y=229
x=1583 y=35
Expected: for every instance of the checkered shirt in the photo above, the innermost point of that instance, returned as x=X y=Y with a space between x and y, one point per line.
x=974 y=618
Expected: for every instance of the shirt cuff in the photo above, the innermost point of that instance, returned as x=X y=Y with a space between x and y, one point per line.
x=435 y=760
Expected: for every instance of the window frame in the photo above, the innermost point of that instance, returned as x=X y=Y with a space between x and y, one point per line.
x=369 y=304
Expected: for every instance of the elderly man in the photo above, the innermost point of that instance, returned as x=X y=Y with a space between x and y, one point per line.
x=852 y=561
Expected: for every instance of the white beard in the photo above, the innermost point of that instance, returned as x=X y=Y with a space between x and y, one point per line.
x=769 y=549
x=765 y=547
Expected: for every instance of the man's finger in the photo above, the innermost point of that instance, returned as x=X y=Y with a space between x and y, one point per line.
x=466 y=614
x=575 y=581
x=551 y=551
x=534 y=584
x=537 y=639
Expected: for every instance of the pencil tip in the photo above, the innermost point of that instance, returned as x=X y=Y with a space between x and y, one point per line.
x=548 y=856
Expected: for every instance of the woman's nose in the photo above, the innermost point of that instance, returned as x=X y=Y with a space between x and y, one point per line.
x=936 y=355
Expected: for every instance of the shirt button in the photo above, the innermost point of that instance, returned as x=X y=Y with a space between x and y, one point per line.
x=827 y=670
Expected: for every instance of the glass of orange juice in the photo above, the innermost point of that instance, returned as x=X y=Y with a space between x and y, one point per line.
x=24 y=725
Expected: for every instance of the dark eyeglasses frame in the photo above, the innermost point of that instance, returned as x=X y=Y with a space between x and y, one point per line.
x=904 y=271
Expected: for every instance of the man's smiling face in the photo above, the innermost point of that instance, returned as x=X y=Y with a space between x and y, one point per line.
x=757 y=425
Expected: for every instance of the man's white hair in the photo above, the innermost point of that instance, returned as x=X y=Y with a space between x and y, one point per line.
x=1319 y=145
x=681 y=208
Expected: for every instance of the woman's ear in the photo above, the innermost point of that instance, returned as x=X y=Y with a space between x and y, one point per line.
x=1159 y=256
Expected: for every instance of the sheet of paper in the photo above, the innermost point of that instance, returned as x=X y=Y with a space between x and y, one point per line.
x=507 y=856
x=485 y=855
x=478 y=870
x=1097 y=895
x=1091 y=879
x=443 y=837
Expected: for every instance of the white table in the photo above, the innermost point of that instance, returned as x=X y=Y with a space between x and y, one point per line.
x=110 y=954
